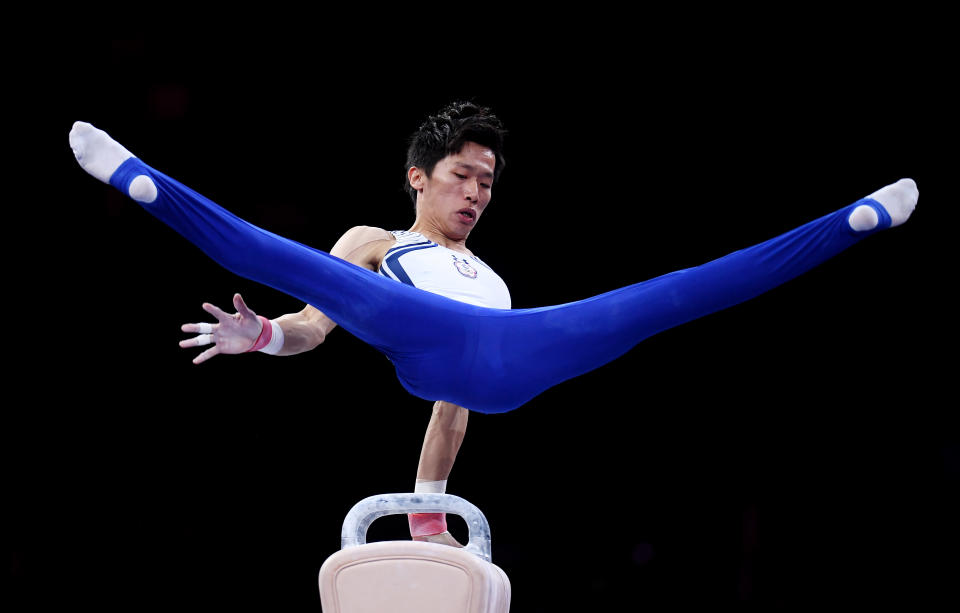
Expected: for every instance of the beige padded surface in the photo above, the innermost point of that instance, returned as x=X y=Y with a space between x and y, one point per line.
x=408 y=576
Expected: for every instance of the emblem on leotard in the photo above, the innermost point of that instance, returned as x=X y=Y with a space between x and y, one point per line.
x=464 y=268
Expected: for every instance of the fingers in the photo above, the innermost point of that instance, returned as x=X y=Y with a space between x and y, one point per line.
x=223 y=335
x=206 y=355
x=200 y=328
x=197 y=341
x=242 y=307
x=215 y=311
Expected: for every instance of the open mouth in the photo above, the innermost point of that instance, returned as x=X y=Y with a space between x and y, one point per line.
x=467 y=215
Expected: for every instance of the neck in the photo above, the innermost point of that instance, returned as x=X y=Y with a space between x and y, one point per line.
x=434 y=233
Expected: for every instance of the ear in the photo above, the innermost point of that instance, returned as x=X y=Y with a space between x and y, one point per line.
x=416 y=178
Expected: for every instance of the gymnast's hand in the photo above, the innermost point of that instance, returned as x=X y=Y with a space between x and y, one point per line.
x=231 y=334
x=444 y=538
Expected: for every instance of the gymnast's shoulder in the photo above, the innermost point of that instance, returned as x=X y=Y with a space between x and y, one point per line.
x=365 y=234
x=364 y=245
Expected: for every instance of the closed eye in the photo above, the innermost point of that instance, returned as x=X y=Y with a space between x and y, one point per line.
x=463 y=177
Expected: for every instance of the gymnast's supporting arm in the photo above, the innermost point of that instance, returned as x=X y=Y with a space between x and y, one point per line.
x=445 y=433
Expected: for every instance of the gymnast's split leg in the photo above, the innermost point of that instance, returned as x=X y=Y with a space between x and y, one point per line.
x=513 y=355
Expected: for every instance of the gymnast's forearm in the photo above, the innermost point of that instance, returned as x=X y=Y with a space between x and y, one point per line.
x=442 y=441
x=441 y=444
x=307 y=329
x=303 y=331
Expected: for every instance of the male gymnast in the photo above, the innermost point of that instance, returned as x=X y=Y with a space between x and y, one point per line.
x=430 y=335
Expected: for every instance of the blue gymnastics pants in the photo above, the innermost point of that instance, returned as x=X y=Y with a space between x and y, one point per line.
x=488 y=360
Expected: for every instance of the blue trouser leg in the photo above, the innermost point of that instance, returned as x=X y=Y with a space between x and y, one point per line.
x=489 y=360
x=545 y=346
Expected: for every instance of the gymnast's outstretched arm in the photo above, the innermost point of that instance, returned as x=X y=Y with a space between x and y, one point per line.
x=305 y=330
x=288 y=334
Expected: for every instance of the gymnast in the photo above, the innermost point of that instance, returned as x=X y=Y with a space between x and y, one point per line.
x=450 y=315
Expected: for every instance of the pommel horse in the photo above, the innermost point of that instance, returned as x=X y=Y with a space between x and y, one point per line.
x=411 y=576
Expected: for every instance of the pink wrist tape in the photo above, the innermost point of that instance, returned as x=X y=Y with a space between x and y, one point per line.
x=265 y=335
x=427 y=524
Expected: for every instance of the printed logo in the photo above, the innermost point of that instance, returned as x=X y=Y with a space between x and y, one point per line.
x=464 y=268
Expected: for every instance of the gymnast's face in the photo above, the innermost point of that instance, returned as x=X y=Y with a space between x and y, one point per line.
x=453 y=197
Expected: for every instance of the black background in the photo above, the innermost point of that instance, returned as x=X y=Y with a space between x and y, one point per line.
x=795 y=450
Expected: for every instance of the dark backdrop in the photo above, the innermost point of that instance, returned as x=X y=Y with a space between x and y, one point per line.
x=794 y=450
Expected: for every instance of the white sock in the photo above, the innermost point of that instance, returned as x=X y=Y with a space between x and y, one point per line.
x=899 y=199
x=100 y=156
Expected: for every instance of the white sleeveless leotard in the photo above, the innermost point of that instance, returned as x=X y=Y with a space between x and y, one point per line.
x=424 y=264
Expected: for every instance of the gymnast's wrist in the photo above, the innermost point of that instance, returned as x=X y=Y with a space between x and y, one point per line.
x=270 y=339
x=428 y=524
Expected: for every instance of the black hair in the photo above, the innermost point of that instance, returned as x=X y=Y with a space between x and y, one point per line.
x=448 y=131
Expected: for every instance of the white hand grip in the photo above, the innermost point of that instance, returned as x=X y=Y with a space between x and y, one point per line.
x=362 y=514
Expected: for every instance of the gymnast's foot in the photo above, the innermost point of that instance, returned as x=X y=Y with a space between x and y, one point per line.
x=899 y=199
x=100 y=156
